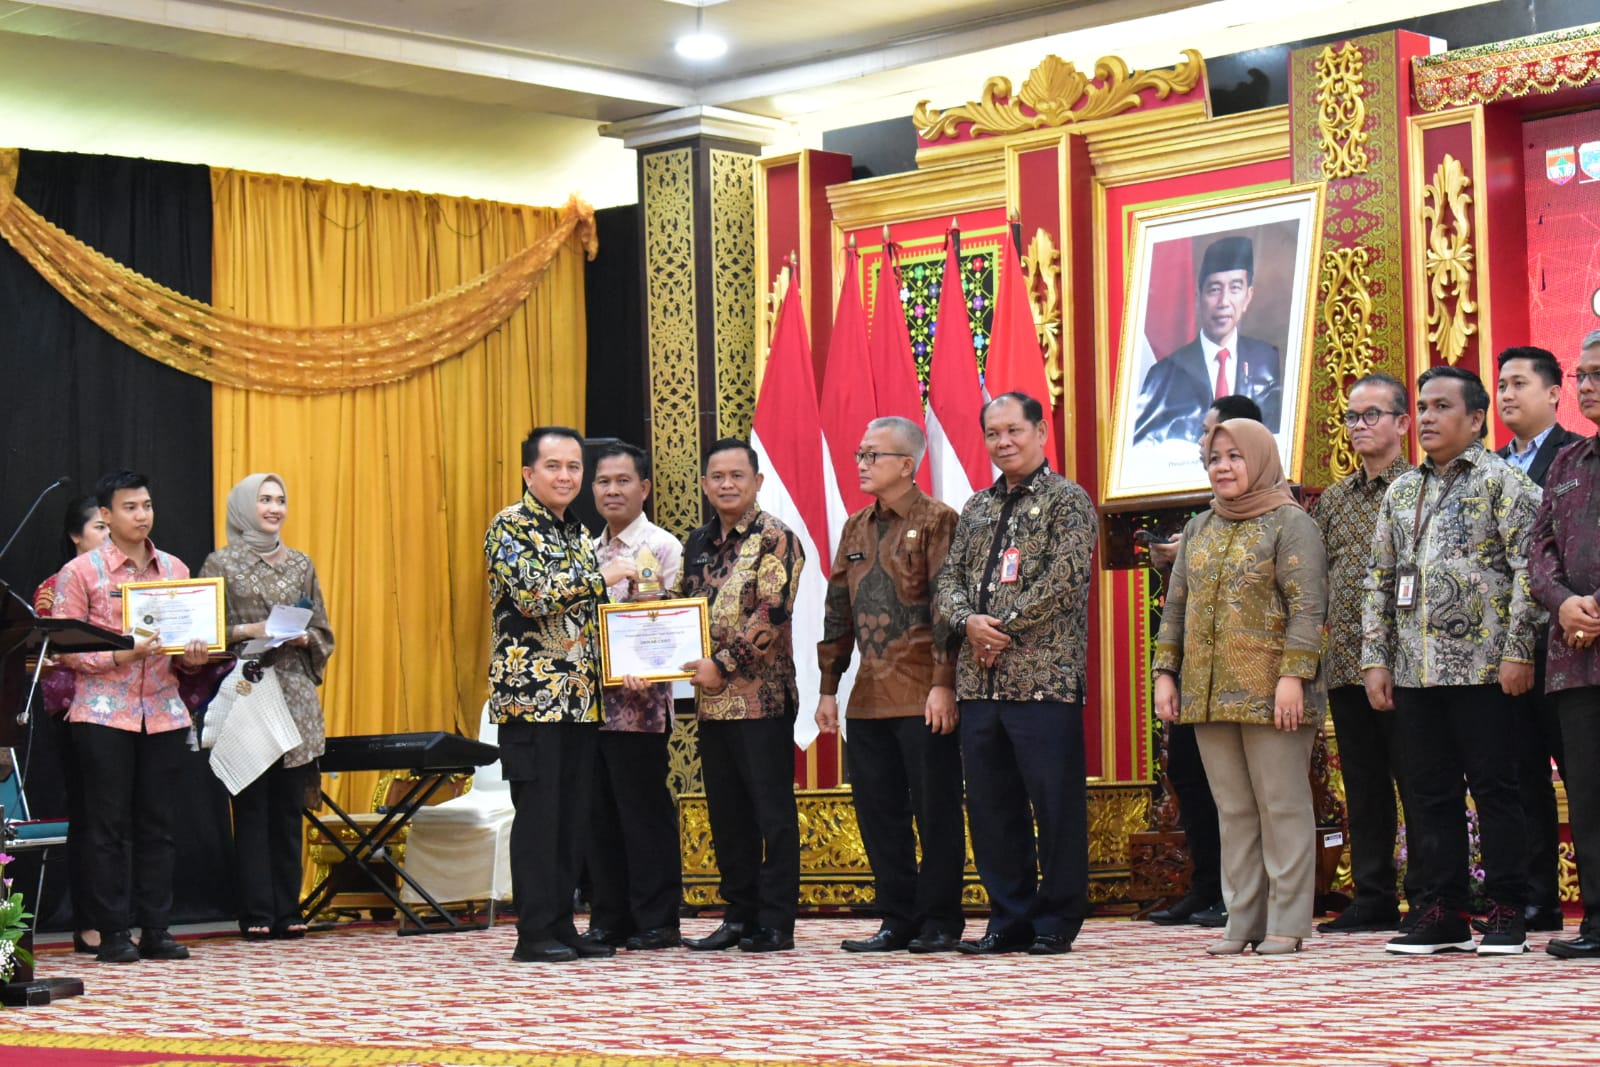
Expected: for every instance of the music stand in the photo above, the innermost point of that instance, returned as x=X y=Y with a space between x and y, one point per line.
x=21 y=629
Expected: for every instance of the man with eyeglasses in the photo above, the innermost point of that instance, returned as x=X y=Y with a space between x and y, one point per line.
x=1377 y=420
x=904 y=753
x=1565 y=571
x=1527 y=393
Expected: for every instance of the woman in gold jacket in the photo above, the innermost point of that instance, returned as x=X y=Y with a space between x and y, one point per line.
x=1238 y=657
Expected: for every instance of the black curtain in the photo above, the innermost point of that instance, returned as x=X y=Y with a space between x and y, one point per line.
x=77 y=402
x=619 y=371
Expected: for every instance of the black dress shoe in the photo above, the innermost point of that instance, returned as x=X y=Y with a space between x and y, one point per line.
x=158 y=945
x=882 y=941
x=994 y=944
x=660 y=937
x=1543 y=919
x=543 y=950
x=767 y=939
x=597 y=936
x=1178 y=914
x=1583 y=947
x=933 y=941
x=725 y=936
x=1214 y=917
x=1050 y=945
x=117 y=948
x=1357 y=919
x=591 y=950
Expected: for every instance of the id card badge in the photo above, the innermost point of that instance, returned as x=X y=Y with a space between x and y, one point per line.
x=1405 y=586
x=1010 y=564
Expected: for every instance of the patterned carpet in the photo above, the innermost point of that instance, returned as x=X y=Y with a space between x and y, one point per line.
x=1131 y=993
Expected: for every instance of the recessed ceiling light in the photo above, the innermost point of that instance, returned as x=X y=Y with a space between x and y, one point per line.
x=701 y=46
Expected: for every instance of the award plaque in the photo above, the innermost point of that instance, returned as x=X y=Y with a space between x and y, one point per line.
x=180 y=611
x=649 y=568
x=653 y=640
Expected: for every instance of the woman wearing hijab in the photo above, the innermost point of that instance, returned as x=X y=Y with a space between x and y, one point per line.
x=261 y=573
x=1238 y=657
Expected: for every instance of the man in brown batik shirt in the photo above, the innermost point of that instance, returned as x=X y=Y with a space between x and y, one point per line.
x=904 y=753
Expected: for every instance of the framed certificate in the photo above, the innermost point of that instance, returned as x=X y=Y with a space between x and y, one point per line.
x=180 y=611
x=653 y=639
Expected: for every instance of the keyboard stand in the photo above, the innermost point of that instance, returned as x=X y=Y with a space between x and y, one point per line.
x=370 y=855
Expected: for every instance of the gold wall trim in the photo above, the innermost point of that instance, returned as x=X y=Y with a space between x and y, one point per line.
x=734 y=289
x=667 y=190
x=1058 y=94
x=1342 y=110
x=1128 y=154
x=973 y=185
x=1448 y=259
x=1041 y=268
x=1347 y=335
x=1482 y=74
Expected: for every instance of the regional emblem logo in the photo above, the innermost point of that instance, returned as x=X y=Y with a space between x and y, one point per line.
x=1589 y=159
x=1560 y=164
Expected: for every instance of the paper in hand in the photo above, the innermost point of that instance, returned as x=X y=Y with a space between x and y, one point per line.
x=283 y=625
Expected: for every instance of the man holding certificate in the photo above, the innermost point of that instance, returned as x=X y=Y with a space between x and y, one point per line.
x=129 y=727
x=544 y=687
x=747 y=564
x=633 y=839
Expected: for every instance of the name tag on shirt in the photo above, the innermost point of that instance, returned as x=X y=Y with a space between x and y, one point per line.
x=1405 y=587
x=1010 y=564
x=1565 y=487
x=856 y=557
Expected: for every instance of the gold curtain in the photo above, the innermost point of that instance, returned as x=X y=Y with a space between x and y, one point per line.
x=391 y=487
x=235 y=349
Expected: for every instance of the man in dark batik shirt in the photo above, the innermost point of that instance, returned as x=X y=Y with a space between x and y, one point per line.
x=747 y=563
x=904 y=753
x=1564 y=568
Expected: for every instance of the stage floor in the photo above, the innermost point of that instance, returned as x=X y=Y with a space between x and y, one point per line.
x=1131 y=993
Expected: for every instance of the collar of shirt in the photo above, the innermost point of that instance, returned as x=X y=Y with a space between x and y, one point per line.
x=1472 y=457
x=632 y=535
x=1385 y=476
x=545 y=517
x=1527 y=454
x=1210 y=348
x=1026 y=485
x=740 y=528
x=114 y=557
x=902 y=509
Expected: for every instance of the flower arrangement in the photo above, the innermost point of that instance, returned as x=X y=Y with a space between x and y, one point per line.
x=13 y=924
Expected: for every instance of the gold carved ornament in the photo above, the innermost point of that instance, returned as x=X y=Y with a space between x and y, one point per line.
x=198 y=339
x=1448 y=260
x=1349 y=354
x=1342 y=111
x=1041 y=268
x=733 y=289
x=1057 y=93
x=673 y=338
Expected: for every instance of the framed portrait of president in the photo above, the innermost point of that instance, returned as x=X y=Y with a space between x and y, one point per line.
x=1220 y=300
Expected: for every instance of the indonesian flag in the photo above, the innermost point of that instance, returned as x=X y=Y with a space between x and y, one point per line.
x=797 y=485
x=894 y=370
x=956 y=450
x=848 y=399
x=1016 y=362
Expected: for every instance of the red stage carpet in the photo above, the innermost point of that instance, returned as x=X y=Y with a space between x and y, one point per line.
x=1132 y=993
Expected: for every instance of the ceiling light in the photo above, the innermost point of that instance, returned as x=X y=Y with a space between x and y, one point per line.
x=701 y=46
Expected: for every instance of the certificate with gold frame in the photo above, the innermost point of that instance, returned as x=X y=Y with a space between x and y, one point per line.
x=653 y=639
x=180 y=610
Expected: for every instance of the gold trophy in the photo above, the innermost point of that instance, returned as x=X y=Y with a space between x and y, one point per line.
x=648 y=582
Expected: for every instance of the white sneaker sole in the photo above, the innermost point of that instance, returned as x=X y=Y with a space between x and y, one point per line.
x=1428 y=950
x=1503 y=950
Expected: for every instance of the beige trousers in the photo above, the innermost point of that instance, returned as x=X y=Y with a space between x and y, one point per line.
x=1259 y=776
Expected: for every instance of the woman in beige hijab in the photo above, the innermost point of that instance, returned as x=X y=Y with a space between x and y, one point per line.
x=1239 y=656
x=261 y=573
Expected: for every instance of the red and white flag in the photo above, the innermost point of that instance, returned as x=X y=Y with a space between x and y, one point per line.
x=1016 y=360
x=848 y=399
x=797 y=485
x=956 y=453
x=894 y=369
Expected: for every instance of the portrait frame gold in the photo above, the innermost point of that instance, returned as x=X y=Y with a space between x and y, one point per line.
x=175 y=586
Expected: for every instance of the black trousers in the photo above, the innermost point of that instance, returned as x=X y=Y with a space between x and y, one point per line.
x=899 y=770
x=79 y=890
x=1025 y=764
x=1197 y=812
x=1538 y=742
x=129 y=779
x=550 y=768
x=1372 y=773
x=633 y=856
x=266 y=843
x=1579 y=710
x=748 y=768
x=1452 y=738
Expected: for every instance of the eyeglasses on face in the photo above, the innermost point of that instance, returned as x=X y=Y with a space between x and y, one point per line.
x=869 y=458
x=1582 y=376
x=1370 y=417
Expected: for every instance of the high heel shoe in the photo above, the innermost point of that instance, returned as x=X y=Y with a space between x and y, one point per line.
x=1229 y=947
x=80 y=945
x=1278 y=946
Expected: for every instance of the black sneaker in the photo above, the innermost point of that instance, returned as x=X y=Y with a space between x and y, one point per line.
x=1505 y=932
x=1408 y=921
x=1436 y=930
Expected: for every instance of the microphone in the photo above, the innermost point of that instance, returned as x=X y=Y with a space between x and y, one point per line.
x=57 y=484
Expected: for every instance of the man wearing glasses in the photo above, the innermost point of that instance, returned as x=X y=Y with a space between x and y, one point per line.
x=905 y=755
x=1527 y=392
x=1565 y=571
x=1377 y=419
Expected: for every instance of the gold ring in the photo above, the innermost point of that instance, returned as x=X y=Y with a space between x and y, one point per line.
x=1580 y=635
